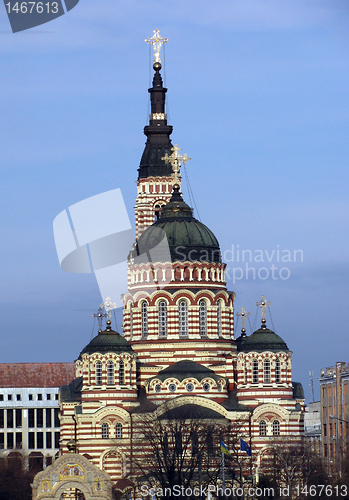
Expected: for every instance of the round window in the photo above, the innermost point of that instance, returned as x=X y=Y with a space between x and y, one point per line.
x=206 y=387
x=172 y=387
x=157 y=388
x=219 y=387
x=189 y=387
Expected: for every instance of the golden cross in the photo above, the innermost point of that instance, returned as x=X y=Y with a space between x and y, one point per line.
x=263 y=304
x=156 y=40
x=175 y=159
x=243 y=315
x=108 y=306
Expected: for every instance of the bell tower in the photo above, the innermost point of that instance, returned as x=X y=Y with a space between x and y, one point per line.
x=155 y=176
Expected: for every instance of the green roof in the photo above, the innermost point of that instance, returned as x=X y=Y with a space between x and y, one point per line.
x=188 y=239
x=191 y=411
x=262 y=340
x=107 y=341
x=186 y=369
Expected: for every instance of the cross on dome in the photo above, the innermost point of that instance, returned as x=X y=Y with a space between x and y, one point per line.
x=108 y=306
x=175 y=159
x=243 y=314
x=99 y=315
x=156 y=41
x=263 y=304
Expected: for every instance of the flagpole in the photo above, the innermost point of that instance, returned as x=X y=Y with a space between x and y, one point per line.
x=223 y=474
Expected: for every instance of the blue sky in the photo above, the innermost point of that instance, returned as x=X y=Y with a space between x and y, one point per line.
x=258 y=98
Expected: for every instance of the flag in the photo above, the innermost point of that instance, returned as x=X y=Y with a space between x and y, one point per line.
x=224 y=449
x=244 y=447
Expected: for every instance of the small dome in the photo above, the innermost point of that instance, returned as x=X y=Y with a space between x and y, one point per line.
x=188 y=239
x=185 y=369
x=262 y=340
x=107 y=341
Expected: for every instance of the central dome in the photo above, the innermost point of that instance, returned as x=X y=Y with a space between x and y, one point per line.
x=188 y=239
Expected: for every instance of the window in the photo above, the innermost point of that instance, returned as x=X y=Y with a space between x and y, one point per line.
x=267 y=371
x=57 y=440
x=39 y=417
x=162 y=318
x=18 y=418
x=56 y=396
x=9 y=397
x=10 y=440
x=276 y=428
x=121 y=372
x=31 y=440
x=105 y=431
x=1 y=419
x=10 y=418
x=262 y=428
x=110 y=373
x=57 y=422
x=19 y=440
x=2 y=443
x=183 y=318
x=31 y=422
x=98 y=373
x=48 y=417
x=131 y=321
x=277 y=371
x=245 y=372
x=219 y=318
x=254 y=371
x=39 y=397
x=30 y=397
x=325 y=430
x=325 y=450
x=48 y=440
x=1 y=397
x=48 y=397
x=118 y=430
x=18 y=397
x=202 y=318
x=40 y=440
x=144 y=313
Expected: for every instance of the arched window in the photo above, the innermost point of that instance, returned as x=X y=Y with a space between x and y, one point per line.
x=144 y=309
x=131 y=321
x=98 y=373
x=183 y=318
x=262 y=428
x=121 y=373
x=245 y=372
x=105 y=431
x=254 y=371
x=276 y=428
x=219 y=318
x=203 y=318
x=118 y=430
x=277 y=371
x=266 y=371
x=110 y=373
x=157 y=211
x=162 y=318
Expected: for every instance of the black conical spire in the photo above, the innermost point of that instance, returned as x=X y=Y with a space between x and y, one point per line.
x=157 y=132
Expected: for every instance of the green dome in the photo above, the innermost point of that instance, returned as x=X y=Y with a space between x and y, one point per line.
x=262 y=340
x=107 y=341
x=188 y=239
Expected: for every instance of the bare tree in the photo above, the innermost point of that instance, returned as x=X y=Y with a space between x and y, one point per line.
x=180 y=451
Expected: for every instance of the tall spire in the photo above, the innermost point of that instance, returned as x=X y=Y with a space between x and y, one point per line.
x=157 y=132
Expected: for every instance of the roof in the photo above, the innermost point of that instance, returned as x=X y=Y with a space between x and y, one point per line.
x=191 y=411
x=41 y=375
x=185 y=369
x=298 y=392
x=232 y=403
x=188 y=239
x=72 y=391
x=107 y=341
x=261 y=340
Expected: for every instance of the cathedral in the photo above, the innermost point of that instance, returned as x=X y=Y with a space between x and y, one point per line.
x=178 y=350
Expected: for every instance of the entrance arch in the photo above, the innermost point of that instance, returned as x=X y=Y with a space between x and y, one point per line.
x=72 y=472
